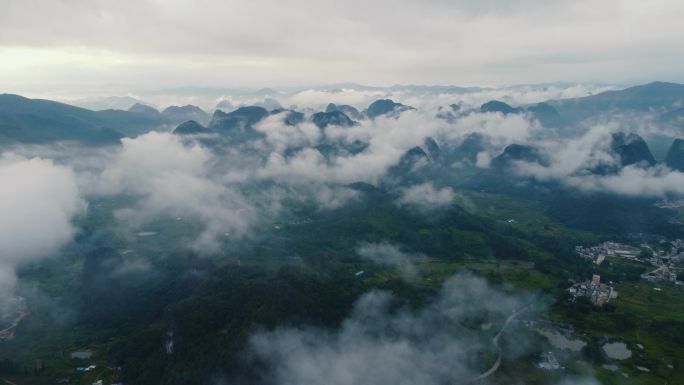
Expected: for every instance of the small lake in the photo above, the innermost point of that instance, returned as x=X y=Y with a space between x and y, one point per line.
x=560 y=341
x=82 y=354
x=617 y=350
x=146 y=233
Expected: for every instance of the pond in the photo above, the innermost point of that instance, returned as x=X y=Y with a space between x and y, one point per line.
x=82 y=355
x=147 y=233
x=617 y=350
x=560 y=341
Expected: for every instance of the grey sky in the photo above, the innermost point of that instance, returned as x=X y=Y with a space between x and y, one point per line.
x=167 y=43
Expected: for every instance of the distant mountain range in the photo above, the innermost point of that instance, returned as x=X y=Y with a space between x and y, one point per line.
x=106 y=103
x=665 y=100
x=38 y=121
x=27 y=120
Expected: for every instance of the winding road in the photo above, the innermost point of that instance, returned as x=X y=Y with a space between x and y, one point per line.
x=9 y=332
x=495 y=342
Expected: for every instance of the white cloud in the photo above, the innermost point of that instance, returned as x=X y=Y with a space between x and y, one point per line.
x=633 y=181
x=378 y=345
x=282 y=137
x=501 y=129
x=332 y=197
x=385 y=253
x=38 y=201
x=388 y=139
x=427 y=196
x=570 y=160
x=572 y=155
x=171 y=178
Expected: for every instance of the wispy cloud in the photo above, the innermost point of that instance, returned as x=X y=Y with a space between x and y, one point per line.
x=38 y=201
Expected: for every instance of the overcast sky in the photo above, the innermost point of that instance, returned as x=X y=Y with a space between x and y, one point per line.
x=147 y=44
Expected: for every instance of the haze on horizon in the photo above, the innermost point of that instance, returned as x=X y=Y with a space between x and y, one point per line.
x=81 y=47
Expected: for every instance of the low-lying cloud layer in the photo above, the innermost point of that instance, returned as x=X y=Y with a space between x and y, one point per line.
x=571 y=159
x=174 y=179
x=380 y=344
x=38 y=201
x=426 y=196
x=231 y=187
x=634 y=181
x=391 y=255
x=173 y=176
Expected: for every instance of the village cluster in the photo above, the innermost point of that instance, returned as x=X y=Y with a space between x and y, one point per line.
x=665 y=262
x=598 y=293
x=548 y=361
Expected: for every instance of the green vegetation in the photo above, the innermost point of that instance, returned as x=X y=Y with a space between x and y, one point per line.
x=303 y=271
